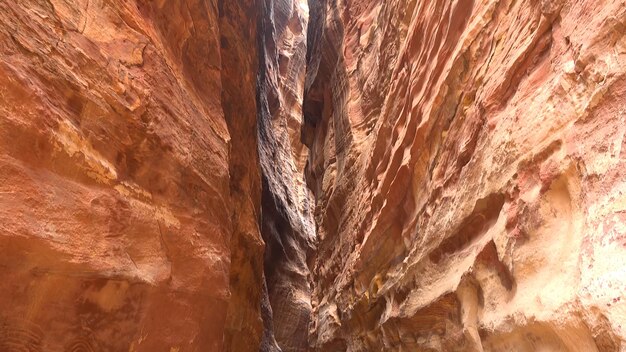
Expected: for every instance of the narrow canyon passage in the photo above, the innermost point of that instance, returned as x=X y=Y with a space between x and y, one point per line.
x=312 y=175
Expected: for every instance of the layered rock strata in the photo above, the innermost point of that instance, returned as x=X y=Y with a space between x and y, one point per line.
x=469 y=167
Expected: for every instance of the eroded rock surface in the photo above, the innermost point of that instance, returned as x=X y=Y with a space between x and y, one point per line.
x=469 y=166
x=287 y=207
x=129 y=176
x=342 y=175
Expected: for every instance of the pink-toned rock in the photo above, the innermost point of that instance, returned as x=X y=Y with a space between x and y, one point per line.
x=467 y=159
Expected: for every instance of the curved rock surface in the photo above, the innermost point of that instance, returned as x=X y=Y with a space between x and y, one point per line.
x=468 y=161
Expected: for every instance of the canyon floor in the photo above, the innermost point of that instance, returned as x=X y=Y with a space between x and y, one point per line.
x=312 y=175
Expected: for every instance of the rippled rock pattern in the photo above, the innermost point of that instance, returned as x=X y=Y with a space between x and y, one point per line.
x=469 y=165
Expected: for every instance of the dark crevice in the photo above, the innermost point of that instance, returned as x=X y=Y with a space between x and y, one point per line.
x=287 y=233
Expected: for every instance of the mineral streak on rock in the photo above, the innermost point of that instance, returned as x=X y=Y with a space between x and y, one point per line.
x=467 y=160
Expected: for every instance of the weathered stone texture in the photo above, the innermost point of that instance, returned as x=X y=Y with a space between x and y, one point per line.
x=467 y=158
x=129 y=176
x=287 y=206
x=342 y=175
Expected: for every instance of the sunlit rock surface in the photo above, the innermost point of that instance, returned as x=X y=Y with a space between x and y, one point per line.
x=469 y=167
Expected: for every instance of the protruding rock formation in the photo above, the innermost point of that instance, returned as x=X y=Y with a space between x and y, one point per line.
x=468 y=161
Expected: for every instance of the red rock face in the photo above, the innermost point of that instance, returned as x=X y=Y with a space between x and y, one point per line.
x=467 y=161
x=129 y=178
x=343 y=175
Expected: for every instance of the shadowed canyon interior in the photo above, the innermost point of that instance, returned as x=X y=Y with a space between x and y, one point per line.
x=312 y=175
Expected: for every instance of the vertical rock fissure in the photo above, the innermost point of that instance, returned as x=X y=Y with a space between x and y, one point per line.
x=287 y=221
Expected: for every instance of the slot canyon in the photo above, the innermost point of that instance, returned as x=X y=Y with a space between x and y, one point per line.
x=312 y=175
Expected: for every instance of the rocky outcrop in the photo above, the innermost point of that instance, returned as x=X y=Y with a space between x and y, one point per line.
x=468 y=164
x=130 y=185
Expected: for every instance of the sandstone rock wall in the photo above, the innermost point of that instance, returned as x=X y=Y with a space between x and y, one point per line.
x=130 y=186
x=337 y=175
x=469 y=167
x=287 y=208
